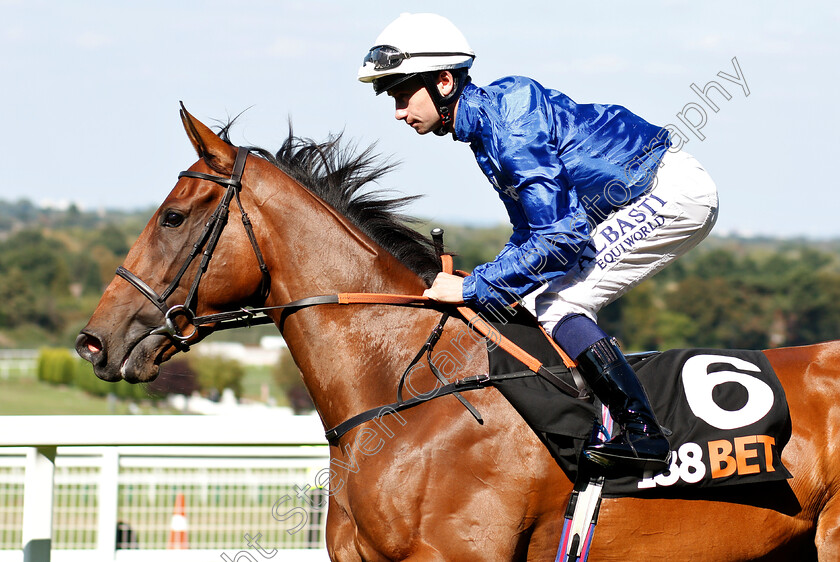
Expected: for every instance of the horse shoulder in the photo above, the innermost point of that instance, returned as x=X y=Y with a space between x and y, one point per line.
x=491 y=483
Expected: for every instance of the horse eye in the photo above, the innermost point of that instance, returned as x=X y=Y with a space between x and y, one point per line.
x=172 y=219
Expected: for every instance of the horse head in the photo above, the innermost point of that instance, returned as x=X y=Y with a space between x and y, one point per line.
x=315 y=231
x=187 y=262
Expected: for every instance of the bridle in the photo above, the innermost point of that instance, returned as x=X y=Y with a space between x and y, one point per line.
x=245 y=317
x=207 y=241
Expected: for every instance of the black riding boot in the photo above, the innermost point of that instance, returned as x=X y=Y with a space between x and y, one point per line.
x=640 y=445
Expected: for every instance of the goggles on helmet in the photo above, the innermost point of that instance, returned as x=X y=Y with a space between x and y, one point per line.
x=386 y=57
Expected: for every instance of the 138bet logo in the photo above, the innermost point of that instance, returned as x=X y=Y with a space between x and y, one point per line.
x=742 y=455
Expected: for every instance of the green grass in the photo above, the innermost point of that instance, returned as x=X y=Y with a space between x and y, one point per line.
x=23 y=394
x=27 y=396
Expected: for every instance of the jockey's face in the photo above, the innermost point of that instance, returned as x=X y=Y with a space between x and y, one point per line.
x=413 y=104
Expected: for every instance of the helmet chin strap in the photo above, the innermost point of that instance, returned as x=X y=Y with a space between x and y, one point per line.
x=461 y=78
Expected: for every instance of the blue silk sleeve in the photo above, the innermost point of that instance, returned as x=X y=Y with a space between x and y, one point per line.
x=550 y=227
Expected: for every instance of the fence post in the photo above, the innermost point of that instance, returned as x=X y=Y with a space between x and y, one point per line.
x=38 y=504
x=106 y=536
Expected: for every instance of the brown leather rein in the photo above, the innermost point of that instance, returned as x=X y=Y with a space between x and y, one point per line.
x=255 y=316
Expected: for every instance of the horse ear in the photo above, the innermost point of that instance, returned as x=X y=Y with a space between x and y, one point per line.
x=218 y=154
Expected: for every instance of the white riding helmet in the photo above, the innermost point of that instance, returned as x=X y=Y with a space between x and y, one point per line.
x=413 y=44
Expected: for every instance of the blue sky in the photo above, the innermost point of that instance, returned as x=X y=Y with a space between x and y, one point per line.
x=90 y=93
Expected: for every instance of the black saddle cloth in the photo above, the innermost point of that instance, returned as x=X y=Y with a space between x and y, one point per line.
x=714 y=430
x=562 y=422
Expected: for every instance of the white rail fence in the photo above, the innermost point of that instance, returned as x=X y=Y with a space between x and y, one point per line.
x=104 y=488
x=17 y=362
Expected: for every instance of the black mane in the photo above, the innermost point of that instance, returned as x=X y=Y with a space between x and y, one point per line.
x=338 y=174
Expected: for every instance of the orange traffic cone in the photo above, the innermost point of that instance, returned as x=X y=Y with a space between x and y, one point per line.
x=178 y=527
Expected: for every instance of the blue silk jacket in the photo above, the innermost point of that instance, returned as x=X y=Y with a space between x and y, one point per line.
x=559 y=168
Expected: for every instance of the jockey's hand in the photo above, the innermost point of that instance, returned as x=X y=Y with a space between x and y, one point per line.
x=446 y=288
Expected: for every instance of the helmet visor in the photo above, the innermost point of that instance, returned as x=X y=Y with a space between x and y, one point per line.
x=385 y=83
x=387 y=57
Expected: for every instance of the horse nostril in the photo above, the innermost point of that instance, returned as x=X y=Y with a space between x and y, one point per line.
x=89 y=348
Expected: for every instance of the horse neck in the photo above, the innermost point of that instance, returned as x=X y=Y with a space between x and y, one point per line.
x=350 y=356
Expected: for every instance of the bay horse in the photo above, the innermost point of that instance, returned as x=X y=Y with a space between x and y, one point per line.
x=430 y=484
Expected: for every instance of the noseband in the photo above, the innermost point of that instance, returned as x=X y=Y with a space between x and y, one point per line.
x=207 y=241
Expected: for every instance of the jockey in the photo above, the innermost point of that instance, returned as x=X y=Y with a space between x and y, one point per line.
x=597 y=201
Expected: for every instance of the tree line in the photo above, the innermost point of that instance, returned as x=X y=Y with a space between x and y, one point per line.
x=728 y=292
x=735 y=294
x=54 y=265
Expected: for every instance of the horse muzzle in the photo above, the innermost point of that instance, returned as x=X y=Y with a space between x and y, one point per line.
x=138 y=363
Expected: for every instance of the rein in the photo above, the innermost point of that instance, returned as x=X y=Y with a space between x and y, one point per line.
x=254 y=316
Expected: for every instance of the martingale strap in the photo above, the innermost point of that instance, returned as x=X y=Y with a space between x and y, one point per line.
x=427 y=350
x=477 y=323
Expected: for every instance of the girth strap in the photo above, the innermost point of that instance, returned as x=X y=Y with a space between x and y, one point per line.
x=460 y=385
